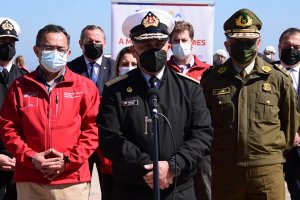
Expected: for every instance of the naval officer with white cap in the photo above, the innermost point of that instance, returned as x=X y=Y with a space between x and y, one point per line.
x=9 y=33
x=124 y=120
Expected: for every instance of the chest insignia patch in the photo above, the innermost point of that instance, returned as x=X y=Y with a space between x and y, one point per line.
x=222 y=70
x=267 y=87
x=129 y=89
x=221 y=91
x=266 y=68
x=130 y=103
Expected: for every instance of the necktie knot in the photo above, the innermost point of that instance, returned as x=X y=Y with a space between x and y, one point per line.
x=243 y=73
x=5 y=75
x=153 y=82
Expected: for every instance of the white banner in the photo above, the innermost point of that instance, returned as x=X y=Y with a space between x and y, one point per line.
x=200 y=15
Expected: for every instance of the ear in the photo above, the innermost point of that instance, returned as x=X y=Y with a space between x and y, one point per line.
x=36 y=50
x=69 y=53
x=258 y=43
x=80 y=44
x=104 y=44
x=227 y=46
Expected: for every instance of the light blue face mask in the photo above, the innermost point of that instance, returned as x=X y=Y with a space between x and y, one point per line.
x=53 y=61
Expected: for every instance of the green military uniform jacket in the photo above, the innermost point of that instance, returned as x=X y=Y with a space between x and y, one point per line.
x=254 y=119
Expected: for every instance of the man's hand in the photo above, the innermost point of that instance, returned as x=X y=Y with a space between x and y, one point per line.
x=7 y=163
x=52 y=171
x=165 y=178
x=50 y=167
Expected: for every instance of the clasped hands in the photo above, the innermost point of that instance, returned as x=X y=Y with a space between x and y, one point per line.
x=50 y=162
x=165 y=178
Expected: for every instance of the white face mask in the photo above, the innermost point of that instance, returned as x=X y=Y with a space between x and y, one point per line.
x=181 y=51
x=124 y=70
x=53 y=61
x=269 y=56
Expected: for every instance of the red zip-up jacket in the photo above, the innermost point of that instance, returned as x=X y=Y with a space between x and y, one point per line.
x=195 y=71
x=32 y=120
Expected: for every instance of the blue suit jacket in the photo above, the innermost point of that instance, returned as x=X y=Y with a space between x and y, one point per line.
x=106 y=73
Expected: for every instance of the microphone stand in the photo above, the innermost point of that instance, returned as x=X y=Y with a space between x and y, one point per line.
x=153 y=105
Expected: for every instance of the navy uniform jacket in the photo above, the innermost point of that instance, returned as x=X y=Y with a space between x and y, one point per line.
x=106 y=73
x=126 y=139
x=15 y=72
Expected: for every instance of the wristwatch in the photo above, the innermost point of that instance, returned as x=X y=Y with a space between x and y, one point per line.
x=66 y=159
x=174 y=168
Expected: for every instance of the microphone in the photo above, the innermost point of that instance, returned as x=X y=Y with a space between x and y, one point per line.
x=153 y=97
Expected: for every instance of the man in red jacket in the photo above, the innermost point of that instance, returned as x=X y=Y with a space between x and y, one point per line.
x=48 y=123
x=184 y=61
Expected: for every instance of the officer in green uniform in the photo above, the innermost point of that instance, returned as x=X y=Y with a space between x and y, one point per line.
x=254 y=114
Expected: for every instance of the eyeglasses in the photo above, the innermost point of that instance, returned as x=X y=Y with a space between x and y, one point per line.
x=61 y=50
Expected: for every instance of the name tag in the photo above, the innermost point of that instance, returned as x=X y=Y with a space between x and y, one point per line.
x=130 y=103
x=221 y=91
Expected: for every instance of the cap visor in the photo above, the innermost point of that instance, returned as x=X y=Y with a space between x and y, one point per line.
x=243 y=35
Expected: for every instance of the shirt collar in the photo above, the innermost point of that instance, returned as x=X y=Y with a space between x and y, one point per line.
x=98 y=61
x=188 y=65
x=248 y=69
x=294 y=68
x=159 y=75
x=8 y=67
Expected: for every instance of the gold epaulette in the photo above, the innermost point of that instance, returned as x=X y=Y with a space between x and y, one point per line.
x=115 y=80
x=282 y=69
x=188 y=77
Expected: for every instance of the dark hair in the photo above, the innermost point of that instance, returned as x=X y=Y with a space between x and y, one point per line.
x=182 y=26
x=91 y=27
x=288 y=31
x=119 y=56
x=51 y=28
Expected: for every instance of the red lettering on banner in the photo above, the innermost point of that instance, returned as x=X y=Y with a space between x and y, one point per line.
x=199 y=42
x=126 y=41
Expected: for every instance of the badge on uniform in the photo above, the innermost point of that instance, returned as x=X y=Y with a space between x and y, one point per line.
x=221 y=91
x=267 y=87
x=130 y=103
x=266 y=68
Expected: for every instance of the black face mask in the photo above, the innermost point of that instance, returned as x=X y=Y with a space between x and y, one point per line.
x=93 y=51
x=153 y=60
x=243 y=52
x=290 y=56
x=7 y=51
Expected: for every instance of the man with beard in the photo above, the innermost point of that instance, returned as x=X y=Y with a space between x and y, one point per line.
x=289 y=53
x=125 y=125
x=9 y=32
x=254 y=115
x=93 y=65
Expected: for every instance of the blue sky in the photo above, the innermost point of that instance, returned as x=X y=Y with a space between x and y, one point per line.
x=74 y=15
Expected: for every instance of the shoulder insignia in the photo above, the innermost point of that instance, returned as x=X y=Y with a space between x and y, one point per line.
x=115 y=80
x=282 y=69
x=222 y=70
x=188 y=77
x=266 y=68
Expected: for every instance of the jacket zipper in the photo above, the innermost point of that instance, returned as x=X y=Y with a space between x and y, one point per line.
x=56 y=107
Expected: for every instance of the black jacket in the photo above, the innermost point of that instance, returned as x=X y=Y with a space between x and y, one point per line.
x=14 y=73
x=125 y=140
x=106 y=73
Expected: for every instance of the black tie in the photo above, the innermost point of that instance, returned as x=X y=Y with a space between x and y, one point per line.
x=5 y=75
x=153 y=82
